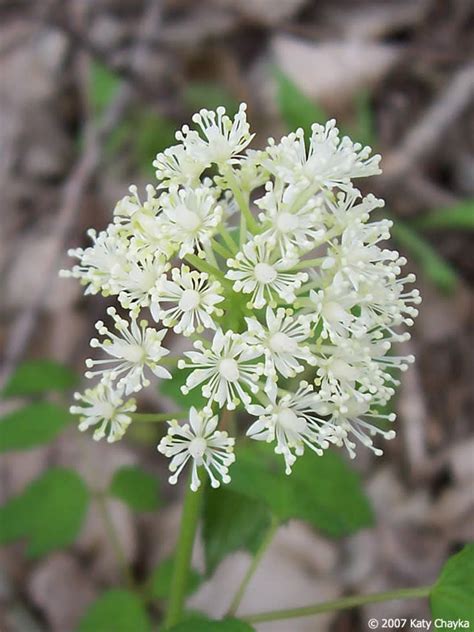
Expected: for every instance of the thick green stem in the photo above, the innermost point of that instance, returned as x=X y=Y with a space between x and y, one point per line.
x=340 y=604
x=184 y=549
x=151 y=417
x=253 y=566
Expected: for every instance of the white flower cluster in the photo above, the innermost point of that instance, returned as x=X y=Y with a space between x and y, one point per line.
x=270 y=264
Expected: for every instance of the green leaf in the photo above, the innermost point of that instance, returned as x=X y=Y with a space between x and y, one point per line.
x=210 y=95
x=203 y=625
x=160 y=580
x=118 y=611
x=296 y=109
x=439 y=271
x=103 y=86
x=172 y=389
x=49 y=513
x=322 y=490
x=138 y=489
x=221 y=535
x=31 y=426
x=459 y=216
x=37 y=376
x=452 y=597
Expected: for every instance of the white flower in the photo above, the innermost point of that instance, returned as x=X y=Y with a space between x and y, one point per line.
x=190 y=218
x=389 y=305
x=261 y=272
x=176 y=166
x=386 y=362
x=203 y=444
x=224 y=368
x=357 y=418
x=104 y=406
x=329 y=161
x=294 y=229
x=194 y=297
x=292 y=422
x=101 y=264
x=357 y=259
x=292 y=278
x=221 y=139
x=250 y=173
x=135 y=348
x=137 y=283
x=332 y=308
x=358 y=369
x=130 y=206
x=348 y=207
x=348 y=371
x=281 y=341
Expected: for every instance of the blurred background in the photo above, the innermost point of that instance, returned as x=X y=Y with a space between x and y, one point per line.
x=90 y=91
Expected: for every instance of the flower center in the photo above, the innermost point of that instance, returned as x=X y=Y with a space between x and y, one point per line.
x=343 y=370
x=221 y=150
x=147 y=279
x=265 y=273
x=229 y=369
x=333 y=311
x=288 y=419
x=356 y=408
x=133 y=353
x=280 y=342
x=188 y=220
x=189 y=300
x=286 y=222
x=197 y=447
x=107 y=410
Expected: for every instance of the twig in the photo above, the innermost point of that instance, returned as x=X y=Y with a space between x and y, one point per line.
x=343 y=603
x=272 y=529
x=113 y=538
x=428 y=132
x=152 y=93
x=413 y=413
x=72 y=193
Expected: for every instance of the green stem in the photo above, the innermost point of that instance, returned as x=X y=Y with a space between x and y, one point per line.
x=253 y=566
x=312 y=285
x=340 y=604
x=210 y=256
x=184 y=549
x=169 y=360
x=227 y=237
x=243 y=230
x=303 y=197
x=241 y=200
x=114 y=540
x=149 y=417
x=221 y=250
x=308 y=263
x=203 y=266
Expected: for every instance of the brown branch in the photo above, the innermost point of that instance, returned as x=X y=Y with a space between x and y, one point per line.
x=127 y=73
x=72 y=194
x=428 y=132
